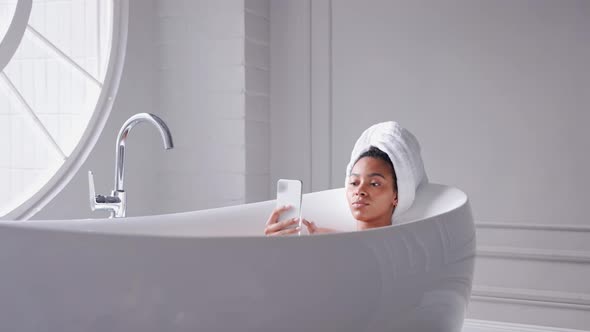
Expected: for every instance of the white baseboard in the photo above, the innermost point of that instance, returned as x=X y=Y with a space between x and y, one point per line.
x=531 y=226
x=476 y=325
x=554 y=299
x=534 y=254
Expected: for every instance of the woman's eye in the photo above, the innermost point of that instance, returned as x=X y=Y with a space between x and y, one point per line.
x=353 y=183
x=375 y=184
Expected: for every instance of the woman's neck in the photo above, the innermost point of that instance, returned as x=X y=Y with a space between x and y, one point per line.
x=375 y=223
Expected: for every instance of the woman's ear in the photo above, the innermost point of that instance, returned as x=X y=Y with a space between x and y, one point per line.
x=394 y=202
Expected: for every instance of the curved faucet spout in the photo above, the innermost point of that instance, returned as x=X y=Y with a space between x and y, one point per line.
x=122 y=137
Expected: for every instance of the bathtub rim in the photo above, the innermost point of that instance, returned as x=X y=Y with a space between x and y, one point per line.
x=73 y=229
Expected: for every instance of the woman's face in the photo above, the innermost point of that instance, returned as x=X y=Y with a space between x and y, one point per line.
x=370 y=192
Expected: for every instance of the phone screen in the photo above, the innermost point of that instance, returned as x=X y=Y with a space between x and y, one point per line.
x=289 y=193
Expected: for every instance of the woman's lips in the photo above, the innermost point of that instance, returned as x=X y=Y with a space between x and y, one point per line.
x=359 y=205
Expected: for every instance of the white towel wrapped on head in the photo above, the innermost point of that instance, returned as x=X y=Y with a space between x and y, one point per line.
x=404 y=151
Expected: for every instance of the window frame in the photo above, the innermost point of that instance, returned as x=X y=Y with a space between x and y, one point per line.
x=95 y=126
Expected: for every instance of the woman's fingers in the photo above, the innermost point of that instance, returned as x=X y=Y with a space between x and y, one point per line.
x=286 y=231
x=276 y=227
x=274 y=216
x=311 y=226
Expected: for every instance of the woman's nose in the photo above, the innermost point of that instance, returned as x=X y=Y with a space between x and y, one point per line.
x=360 y=192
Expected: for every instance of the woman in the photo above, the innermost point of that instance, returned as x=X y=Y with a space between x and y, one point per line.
x=385 y=161
x=371 y=192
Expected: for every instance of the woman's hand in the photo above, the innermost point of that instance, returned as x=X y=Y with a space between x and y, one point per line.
x=312 y=228
x=276 y=227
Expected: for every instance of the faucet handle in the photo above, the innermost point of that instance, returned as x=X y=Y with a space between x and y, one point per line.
x=92 y=192
x=100 y=202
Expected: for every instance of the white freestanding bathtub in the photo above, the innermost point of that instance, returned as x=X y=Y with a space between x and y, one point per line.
x=213 y=270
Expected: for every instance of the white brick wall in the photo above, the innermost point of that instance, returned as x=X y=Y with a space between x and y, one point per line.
x=201 y=83
x=213 y=93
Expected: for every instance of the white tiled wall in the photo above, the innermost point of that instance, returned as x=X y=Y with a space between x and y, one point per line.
x=213 y=63
x=200 y=96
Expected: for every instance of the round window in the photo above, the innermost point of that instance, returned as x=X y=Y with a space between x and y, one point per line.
x=60 y=65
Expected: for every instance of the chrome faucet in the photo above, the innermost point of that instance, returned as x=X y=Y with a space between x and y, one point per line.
x=116 y=203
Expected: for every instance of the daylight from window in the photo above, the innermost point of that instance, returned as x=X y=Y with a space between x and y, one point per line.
x=54 y=55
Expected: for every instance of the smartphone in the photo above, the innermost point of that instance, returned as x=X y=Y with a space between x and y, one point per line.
x=289 y=193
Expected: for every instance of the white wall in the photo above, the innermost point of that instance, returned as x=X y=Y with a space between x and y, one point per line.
x=201 y=91
x=504 y=87
x=497 y=92
x=290 y=92
x=257 y=99
x=213 y=88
